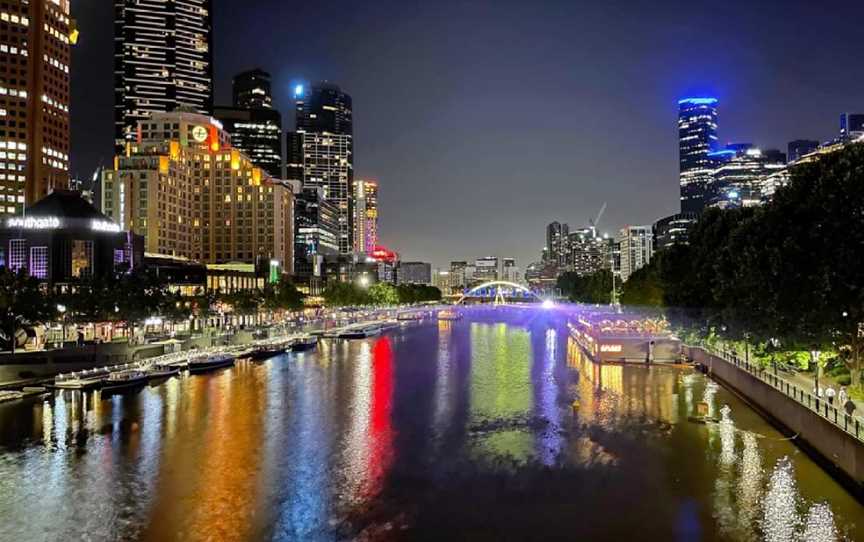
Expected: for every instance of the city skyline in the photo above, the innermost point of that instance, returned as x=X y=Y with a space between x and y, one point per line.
x=428 y=150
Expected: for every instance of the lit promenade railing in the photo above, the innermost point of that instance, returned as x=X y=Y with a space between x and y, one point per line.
x=849 y=424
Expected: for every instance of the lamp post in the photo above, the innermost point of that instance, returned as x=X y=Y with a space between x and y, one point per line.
x=62 y=310
x=814 y=357
x=773 y=343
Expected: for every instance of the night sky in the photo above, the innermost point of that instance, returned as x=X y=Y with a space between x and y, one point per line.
x=485 y=120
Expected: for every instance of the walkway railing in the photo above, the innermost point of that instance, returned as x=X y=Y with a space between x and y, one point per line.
x=838 y=417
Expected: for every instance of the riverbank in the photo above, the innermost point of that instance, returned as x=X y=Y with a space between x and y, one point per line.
x=834 y=439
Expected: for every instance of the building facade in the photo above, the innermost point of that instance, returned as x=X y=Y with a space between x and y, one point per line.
x=35 y=41
x=800 y=147
x=316 y=222
x=851 y=126
x=637 y=247
x=485 y=270
x=740 y=174
x=63 y=239
x=586 y=253
x=673 y=230
x=190 y=194
x=163 y=60
x=325 y=161
x=557 y=237
x=414 y=273
x=697 y=137
x=365 y=216
x=255 y=127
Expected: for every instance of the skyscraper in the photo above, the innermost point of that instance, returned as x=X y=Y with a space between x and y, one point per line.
x=252 y=89
x=35 y=40
x=365 y=216
x=697 y=136
x=255 y=127
x=637 y=249
x=740 y=173
x=324 y=108
x=320 y=153
x=163 y=59
x=556 y=243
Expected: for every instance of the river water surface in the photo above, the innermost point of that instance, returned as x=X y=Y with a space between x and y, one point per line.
x=492 y=427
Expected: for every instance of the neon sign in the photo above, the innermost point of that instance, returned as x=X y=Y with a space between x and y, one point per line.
x=34 y=222
x=104 y=225
x=611 y=348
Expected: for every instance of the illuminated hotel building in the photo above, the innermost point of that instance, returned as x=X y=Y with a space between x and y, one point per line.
x=192 y=195
x=163 y=59
x=255 y=127
x=35 y=40
x=697 y=137
x=365 y=216
x=320 y=153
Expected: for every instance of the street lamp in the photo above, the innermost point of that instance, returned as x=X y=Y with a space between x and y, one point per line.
x=62 y=310
x=814 y=357
x=773 y=343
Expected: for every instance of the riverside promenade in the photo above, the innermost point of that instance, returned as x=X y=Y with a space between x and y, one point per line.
x=820 y=429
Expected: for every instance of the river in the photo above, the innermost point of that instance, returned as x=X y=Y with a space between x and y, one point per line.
x=488 y=428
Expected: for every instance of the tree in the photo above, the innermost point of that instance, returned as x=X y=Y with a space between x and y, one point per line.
x=22 y=303
x=593 y=288
x=342 y=294
x=282 y=296
x=643 y=288
x=383 y=293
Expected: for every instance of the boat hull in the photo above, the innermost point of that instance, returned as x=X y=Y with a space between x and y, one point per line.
x=131 y=384
x=203 y=367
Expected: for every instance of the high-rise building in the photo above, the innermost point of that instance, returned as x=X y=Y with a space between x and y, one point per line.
x=316 y=227
x=673 y=230
x=740 y=174
x=252 y=89
x=320 y=153
x=851 y=126
x=163 y=60
x=255 y=127
x=414 y=273
x=192 y=195
x=509 y=270
x=697 y=137
x=798 y=148
x=324 y=108
x=485 y=270
x=585 y=251
x=458 y=280
x=35 y=40
x=557 y=235
x=365 y=216
x=637 y=248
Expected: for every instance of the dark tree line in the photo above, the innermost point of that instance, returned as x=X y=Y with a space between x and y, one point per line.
x=343 y=294
x=593 y=288
x=788 y=272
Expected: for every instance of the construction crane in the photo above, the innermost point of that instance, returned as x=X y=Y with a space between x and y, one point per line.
x=593 y=223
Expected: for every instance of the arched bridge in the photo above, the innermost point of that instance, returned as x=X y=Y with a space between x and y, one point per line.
x=501 y=291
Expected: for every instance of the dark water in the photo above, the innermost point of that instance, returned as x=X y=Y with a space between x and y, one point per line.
x=490 y=428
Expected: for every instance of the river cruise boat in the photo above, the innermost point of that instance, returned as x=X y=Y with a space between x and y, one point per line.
x=83 y=380
x=360 y=332
x=158 y=372
x=210 y=362
x=124 y=380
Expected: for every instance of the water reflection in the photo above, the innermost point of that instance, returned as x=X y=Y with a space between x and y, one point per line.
x=437 y=427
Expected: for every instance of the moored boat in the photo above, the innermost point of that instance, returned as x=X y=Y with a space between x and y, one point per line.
x=449 y=315
x=201 y=364
x=303 y=343
x=162 y=371
x=124 y=380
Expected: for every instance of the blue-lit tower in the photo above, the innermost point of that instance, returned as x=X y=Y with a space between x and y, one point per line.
x=697 y=137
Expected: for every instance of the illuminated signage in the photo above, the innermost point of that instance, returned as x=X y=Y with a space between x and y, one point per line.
x=610 y=348
x=199 y=134
x=34 y=222
x=104 y=225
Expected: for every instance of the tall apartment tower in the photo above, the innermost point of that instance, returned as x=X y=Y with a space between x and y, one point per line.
x=35 y=41
x=320 y=152
x=163 y=60
x=637 y=248
x=365 y=216
x=697 y=137
x=255 y=127
x=556 y=243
